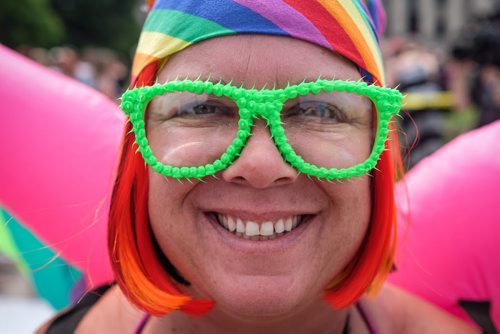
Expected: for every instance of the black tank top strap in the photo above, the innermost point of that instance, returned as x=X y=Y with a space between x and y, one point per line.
x=68 y=320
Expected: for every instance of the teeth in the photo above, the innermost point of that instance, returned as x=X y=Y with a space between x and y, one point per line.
x=266 y=229
x=279 y=227
x=231 y=225
x=288 y=224
x=240 y=227
x=224 y=221
x=254 y=231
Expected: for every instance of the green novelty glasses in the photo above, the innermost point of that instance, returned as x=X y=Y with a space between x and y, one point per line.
x=329 y=129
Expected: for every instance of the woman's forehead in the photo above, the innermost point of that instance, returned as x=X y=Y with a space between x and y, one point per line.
x=257 y=60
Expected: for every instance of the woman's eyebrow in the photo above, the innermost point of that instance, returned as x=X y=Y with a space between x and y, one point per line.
x=201 y=77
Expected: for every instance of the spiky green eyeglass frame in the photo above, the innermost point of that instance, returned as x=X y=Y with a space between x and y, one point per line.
x=266 y=104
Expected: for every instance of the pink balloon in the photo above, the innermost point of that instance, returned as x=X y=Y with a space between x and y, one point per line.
x=449 y=224
x=60 y=143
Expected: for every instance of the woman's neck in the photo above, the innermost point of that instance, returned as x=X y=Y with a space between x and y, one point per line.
x=318 y=318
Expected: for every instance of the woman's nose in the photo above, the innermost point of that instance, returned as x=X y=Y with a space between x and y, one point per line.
x=260 y=164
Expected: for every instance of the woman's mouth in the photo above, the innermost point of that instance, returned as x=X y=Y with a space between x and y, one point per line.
x=263 y=230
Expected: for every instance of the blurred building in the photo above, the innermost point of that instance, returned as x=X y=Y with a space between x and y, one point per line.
x=422 y=36
x=434 y=20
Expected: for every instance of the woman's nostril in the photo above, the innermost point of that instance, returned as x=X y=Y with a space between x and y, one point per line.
x=284 y=180
x=239 y=179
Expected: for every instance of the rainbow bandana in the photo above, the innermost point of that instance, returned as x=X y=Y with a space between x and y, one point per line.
x=348 y=27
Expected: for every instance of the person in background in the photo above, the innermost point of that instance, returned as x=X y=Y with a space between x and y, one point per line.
x=66 y=60
x=478 y=51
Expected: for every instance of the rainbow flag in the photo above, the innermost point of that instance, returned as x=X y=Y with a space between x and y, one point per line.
x=348 y=27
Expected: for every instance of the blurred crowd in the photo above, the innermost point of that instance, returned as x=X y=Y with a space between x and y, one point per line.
x=99 y=68
x=449 y=89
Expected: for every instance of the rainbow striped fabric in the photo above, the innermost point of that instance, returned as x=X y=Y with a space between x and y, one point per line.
x=348 y=27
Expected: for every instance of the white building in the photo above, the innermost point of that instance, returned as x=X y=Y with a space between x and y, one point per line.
x=433 y=20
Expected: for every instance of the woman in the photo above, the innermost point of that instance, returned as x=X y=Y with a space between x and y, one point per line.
x=257 y=106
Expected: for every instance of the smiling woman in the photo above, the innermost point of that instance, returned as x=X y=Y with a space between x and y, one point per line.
x=255 y=202
x=259 y=189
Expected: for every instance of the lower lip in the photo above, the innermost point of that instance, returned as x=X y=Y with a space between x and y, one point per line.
x=289 y=239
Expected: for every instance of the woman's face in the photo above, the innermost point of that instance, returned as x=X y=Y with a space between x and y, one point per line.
x=259 y=278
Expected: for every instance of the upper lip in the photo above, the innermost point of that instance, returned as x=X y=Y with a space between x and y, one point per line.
x=261 y=216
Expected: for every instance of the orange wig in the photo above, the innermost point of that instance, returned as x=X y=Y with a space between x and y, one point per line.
x=141 y=274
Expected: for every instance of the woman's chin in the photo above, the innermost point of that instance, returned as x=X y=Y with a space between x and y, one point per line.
x=260 y=297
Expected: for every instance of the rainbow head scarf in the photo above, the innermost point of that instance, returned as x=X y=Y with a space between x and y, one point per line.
x=347 y=27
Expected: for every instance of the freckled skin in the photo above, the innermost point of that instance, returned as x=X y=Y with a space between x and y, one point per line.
x=253 y=284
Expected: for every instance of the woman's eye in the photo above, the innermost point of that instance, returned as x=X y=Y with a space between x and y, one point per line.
x=324 y=112
x=201 y=109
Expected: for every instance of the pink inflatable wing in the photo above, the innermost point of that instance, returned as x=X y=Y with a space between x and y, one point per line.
x=449 y=225
x=59 y=146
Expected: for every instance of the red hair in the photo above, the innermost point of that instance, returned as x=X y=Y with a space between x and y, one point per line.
x=375 y=258
x=150 y=4
x=144 y=280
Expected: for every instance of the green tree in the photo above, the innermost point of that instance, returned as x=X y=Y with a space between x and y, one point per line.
x=104 y=23
x=46 y=23
x=30 y=22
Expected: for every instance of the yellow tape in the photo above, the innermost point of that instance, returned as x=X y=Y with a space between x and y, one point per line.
x=428 y=100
